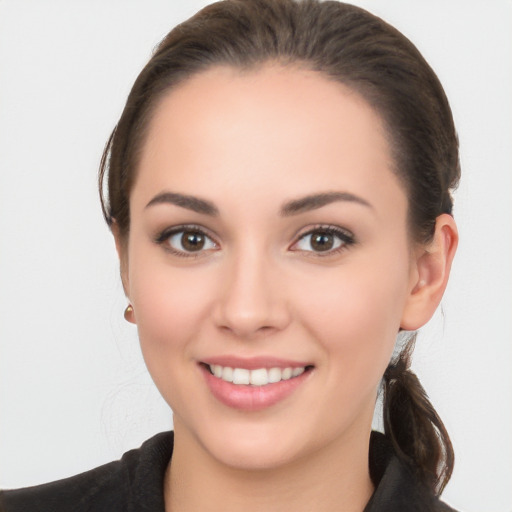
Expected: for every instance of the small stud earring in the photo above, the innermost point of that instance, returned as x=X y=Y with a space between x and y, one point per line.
x=128 y=313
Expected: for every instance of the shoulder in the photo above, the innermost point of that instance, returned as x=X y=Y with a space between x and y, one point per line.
x=396 y=486
x=116 y=486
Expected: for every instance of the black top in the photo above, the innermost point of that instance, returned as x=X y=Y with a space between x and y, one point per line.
x=135 y=484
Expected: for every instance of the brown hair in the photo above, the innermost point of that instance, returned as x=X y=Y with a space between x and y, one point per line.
x=349 y=45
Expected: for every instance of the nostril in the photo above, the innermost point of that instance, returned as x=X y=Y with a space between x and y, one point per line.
x=247 y=331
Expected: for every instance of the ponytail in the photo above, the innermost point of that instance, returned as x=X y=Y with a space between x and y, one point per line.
x=413 y=426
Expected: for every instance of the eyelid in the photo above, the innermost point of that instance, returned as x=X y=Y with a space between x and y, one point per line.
x=164 y=235
x=347 y=238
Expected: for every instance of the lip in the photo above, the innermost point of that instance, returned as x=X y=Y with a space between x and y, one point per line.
x=248 y=397
x=253 y=363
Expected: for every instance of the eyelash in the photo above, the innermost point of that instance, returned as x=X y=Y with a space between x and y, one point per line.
x=345 y=237
x=164 y=236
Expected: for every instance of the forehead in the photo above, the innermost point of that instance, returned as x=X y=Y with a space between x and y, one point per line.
x=272 y=129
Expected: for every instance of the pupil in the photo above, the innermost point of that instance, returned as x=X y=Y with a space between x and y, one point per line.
x=322 y=241
x=192 y=241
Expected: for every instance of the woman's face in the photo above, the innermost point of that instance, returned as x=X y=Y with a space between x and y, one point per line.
x=268 y=244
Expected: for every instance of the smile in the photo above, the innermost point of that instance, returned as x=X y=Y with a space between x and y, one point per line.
x=256 y=377
x=253 y=384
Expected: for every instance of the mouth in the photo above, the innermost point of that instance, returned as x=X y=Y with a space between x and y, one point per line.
x=257 y=376
x=256 y=388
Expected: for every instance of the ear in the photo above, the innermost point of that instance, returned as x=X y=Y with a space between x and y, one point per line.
x=122 y=253
x=430 y=272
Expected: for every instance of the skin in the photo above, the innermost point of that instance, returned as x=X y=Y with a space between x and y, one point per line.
x=249 y=143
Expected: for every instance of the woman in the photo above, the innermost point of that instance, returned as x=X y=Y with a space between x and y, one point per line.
x=279 y=192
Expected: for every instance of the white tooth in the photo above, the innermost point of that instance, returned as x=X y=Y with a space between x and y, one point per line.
x=297 y=371
x=217 y=370
x=274 y=375
x=241 y=376
x=227 y=374
x=259 y=377
x=286 y=373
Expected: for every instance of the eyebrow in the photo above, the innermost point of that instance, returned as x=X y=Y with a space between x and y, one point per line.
x=189 y=202
x=293 y=207
x=316 y=201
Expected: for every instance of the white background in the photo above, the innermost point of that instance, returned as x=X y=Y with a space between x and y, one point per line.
x=74 y=391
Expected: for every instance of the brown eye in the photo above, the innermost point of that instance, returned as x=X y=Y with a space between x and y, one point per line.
x=192 y=240
x=183 y=242
x=322 y=241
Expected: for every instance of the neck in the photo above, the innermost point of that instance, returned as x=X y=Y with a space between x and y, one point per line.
x=335 y=478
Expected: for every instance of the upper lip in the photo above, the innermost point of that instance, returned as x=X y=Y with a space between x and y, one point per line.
x=253 y=363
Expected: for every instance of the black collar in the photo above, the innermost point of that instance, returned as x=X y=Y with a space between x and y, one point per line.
x=136 y=482
x=396 y=487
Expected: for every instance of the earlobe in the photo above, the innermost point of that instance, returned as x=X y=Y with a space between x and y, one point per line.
x=129 y=314
x=432 y=269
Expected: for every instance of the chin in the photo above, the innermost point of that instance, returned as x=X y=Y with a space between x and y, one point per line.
x=250 y=455
x=251 y=445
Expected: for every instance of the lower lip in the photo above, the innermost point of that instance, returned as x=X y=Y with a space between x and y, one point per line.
x=251 y=398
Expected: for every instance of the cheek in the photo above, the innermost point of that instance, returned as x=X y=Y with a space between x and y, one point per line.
x=355 y=313
x=170 y=305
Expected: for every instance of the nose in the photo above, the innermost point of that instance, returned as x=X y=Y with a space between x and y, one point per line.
x=252 y=301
